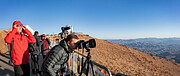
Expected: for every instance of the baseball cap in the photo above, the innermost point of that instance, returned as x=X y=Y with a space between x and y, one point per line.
x=17 y=23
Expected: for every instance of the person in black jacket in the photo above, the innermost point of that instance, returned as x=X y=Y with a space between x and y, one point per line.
x=57 y=57
x=38 y=43
x=45 y=43
x=35 y=51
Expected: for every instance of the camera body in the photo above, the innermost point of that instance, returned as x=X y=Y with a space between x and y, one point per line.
x=91 y=43
x=64 y=32
x=65 y=28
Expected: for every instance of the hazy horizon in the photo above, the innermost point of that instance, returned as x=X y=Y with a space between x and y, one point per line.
x=136 y=38
x=1 y=29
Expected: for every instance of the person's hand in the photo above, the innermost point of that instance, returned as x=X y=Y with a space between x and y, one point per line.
x=46 y=36
x=24 y=28
x=11 y=61
x=14 y=26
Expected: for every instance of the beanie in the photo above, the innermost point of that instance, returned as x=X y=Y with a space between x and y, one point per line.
x=17 y=23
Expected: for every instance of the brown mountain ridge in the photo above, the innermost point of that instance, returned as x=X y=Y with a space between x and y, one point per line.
x=125 y=60
x=122 y=59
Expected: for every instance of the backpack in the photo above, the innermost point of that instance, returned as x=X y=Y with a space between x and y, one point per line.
x=32 y=49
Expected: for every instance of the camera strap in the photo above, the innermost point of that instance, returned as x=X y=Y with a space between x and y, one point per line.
x=64 y=45
x=67 y=48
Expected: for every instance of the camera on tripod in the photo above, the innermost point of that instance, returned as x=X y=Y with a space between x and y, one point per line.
x=65 y=28
x=91 y=43
x=66 y=31
x=87 y=44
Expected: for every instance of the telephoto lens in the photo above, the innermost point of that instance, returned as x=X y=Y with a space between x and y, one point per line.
x=88 y=44
x=65 y=28
x=92 y=43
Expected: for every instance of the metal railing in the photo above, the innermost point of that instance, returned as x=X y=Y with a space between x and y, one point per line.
x=97 y=68
x=73 y=68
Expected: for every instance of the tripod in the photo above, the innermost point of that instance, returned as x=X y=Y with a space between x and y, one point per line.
x=88 y=62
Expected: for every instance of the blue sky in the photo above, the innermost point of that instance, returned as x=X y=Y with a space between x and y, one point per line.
x=103 y=19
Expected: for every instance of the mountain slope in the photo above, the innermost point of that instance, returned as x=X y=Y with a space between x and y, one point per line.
x=120 y=58
x=3 y=45
x=152 y=45
x=7 y=28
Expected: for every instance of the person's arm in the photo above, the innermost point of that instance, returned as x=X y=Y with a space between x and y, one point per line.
x=48 y=40
x=8 y=39
x=31 y=38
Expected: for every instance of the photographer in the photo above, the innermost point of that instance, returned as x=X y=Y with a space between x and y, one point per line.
x=55 y=60
x=19 y=41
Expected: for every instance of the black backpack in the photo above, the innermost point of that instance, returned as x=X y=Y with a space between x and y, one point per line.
x=32 y=47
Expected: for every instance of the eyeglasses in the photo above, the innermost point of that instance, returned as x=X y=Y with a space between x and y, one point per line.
x=19 y=25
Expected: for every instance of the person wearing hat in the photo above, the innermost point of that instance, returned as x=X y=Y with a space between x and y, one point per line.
x=45 y=43
x=34 y=49
x=19 y=38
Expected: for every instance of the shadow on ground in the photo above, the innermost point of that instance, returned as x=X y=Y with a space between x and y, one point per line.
x=5 y=72
x=4 y=65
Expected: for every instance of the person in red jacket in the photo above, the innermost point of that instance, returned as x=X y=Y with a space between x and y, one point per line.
x=19 y=38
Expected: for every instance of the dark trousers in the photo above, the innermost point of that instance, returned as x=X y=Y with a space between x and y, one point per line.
x=34 y=62
x=22 y=70
x=46 y=74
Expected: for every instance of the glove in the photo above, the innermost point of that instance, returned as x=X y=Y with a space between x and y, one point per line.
x=11 y=61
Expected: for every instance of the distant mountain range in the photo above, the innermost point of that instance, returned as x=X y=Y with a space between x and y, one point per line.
x=168 y=48
x=7 y=28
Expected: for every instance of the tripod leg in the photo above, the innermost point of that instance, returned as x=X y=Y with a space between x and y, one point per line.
x=87 y=68
x=78 y=65
x=83 y=67
x=92 y=68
